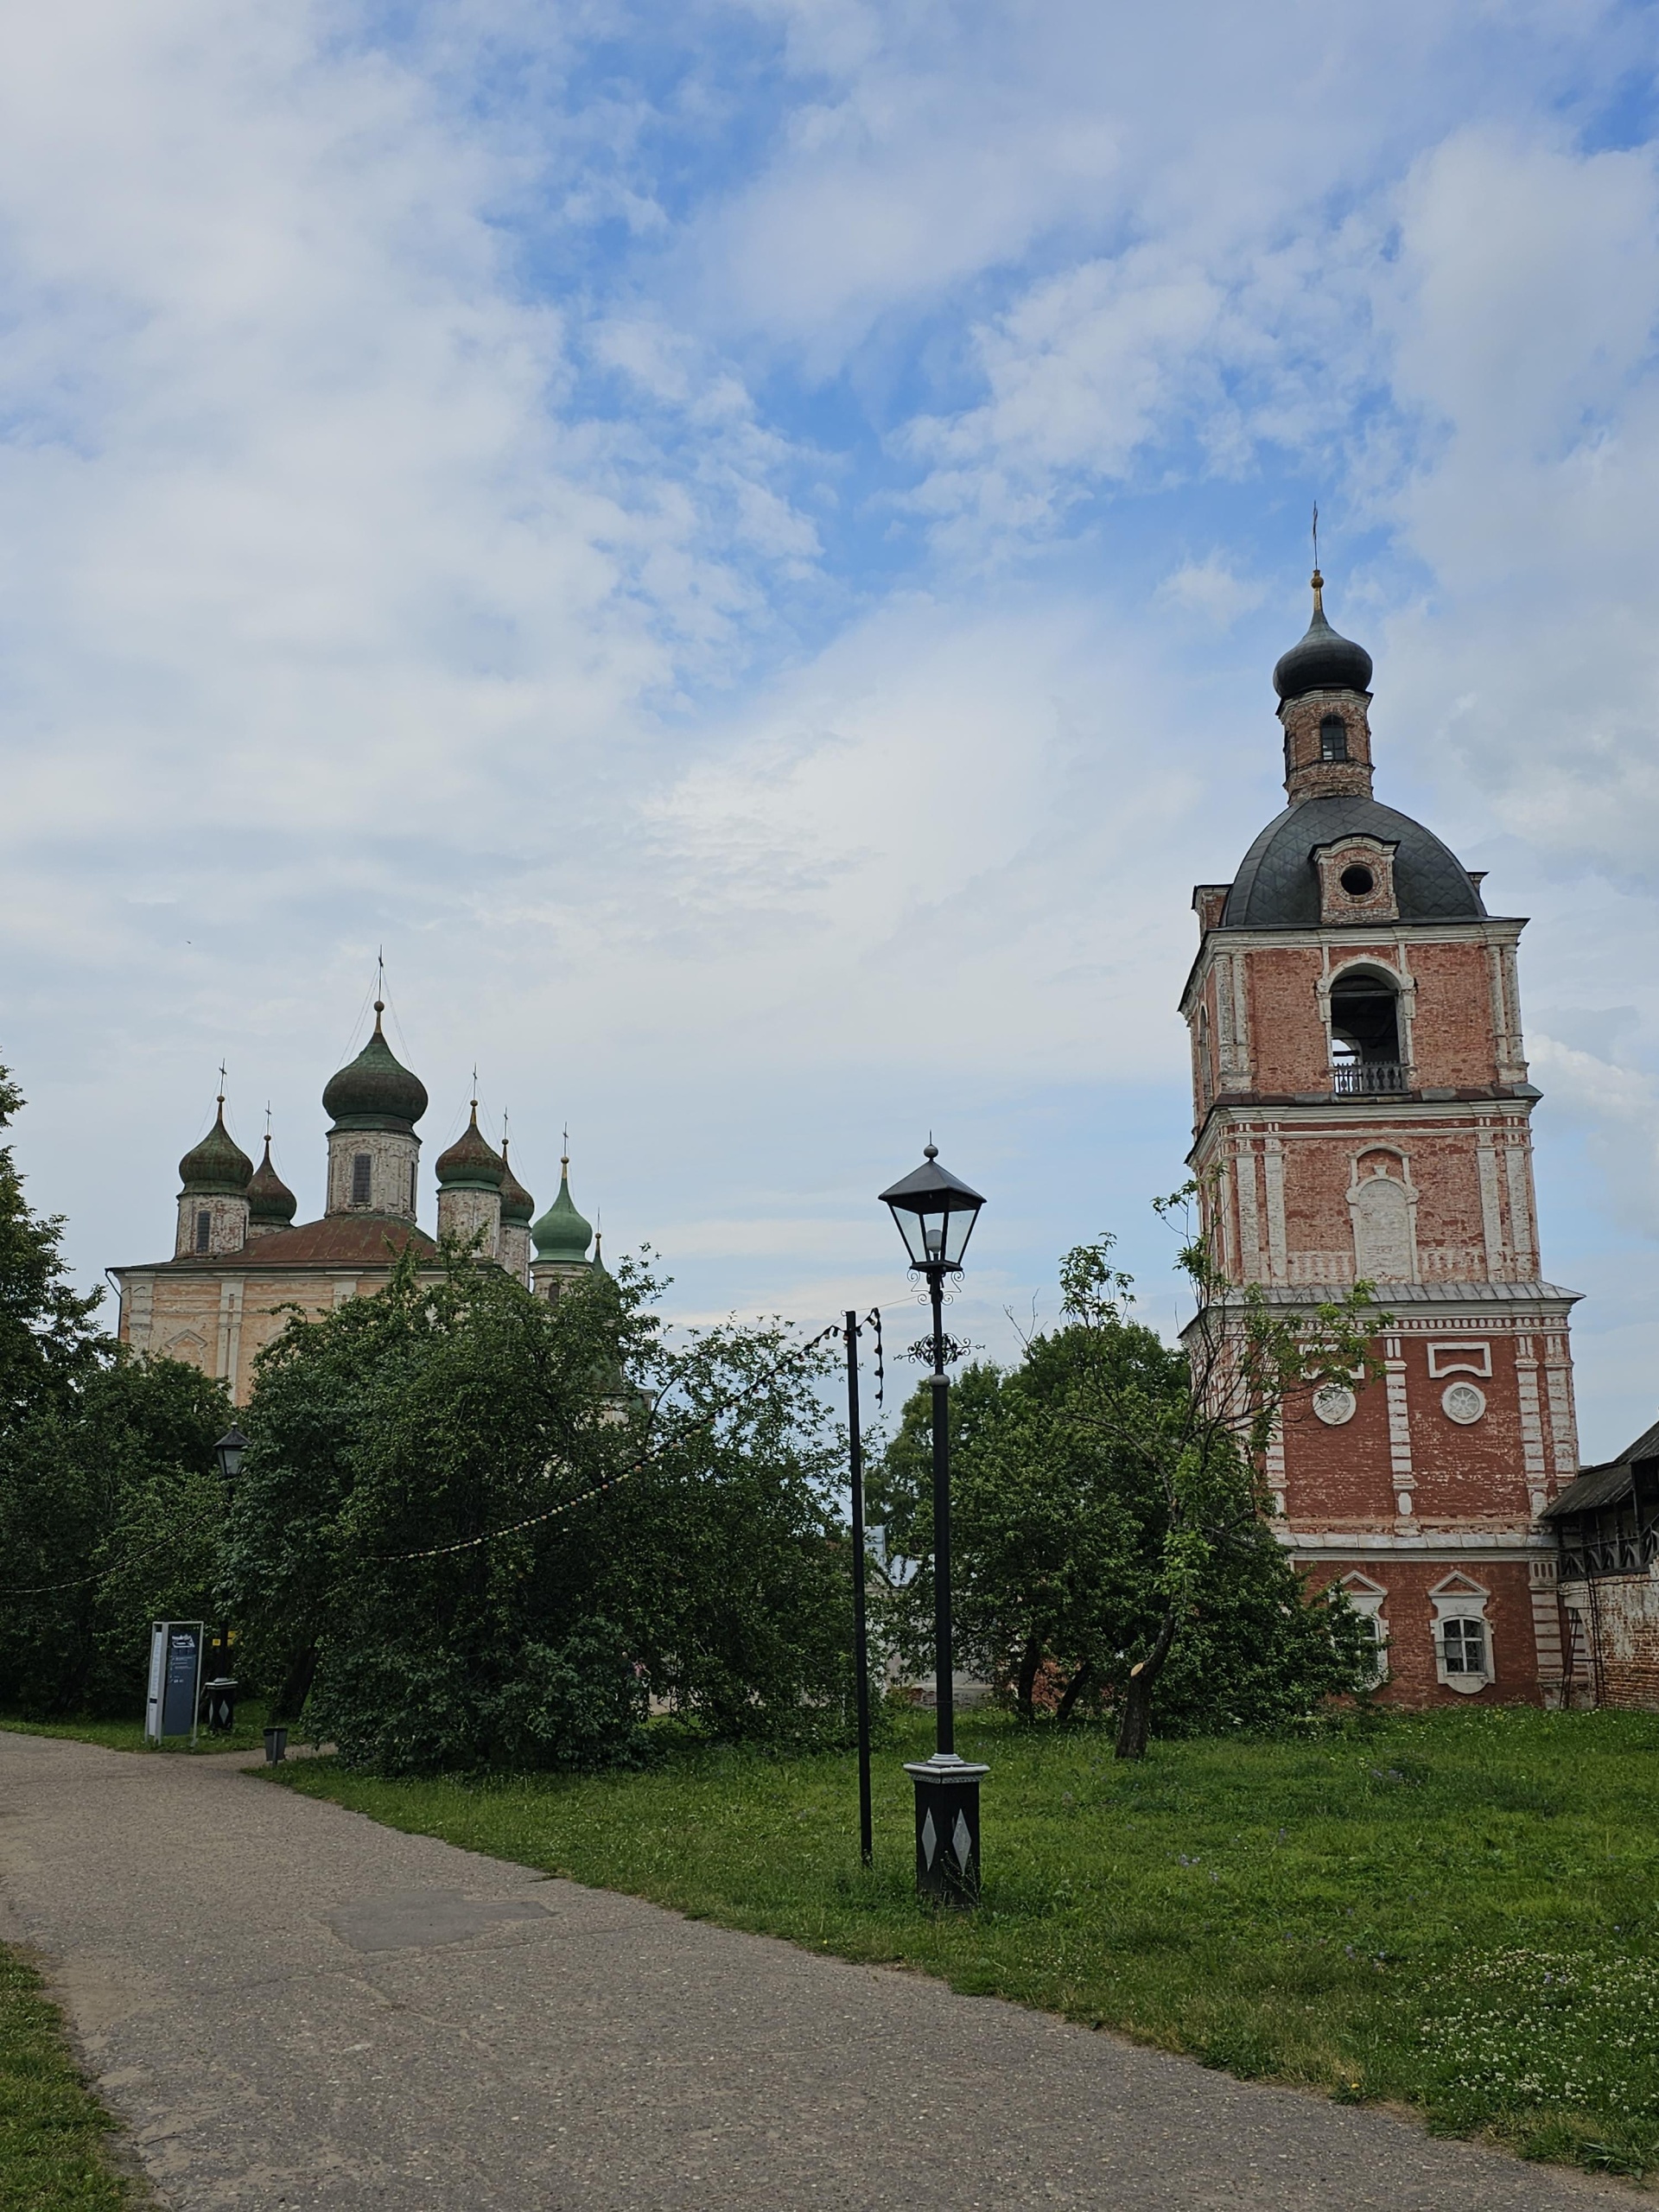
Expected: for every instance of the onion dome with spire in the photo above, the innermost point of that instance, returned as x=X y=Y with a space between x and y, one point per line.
x=517 y=1205
x=562 y=1233
x=1320 y=660
x=270 y=1199
x=375 y=1091
x=216 y=1167
x=471 y=1163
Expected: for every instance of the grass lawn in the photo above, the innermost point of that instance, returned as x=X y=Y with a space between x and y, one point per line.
x=52 y=2130
x=248 y=1735
x=1456 y=1910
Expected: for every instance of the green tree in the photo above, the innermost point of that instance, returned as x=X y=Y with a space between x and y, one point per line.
x=466 y=1540
x=110 y=1504
x=48 y=1338
x=1108 y=1530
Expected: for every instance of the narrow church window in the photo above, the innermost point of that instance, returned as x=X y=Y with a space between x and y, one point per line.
x=204 y=1230
x=412 y=1186
x=1333 y=738
x=1463 y=1645
x=361 y=1167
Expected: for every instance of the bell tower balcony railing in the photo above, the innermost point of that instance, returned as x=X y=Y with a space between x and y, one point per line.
x=1366 y=1078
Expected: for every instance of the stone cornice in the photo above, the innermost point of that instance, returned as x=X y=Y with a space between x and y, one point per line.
x=1294 y=936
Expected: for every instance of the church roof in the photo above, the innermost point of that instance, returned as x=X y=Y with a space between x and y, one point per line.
x=517 y=1205
x=269 y=1196
x=562 y=1233
x=340 y=1240
x=218 y=1165
x=375 y=1090
x=472 y=1162
x=1321 y=659
x=1278 y=883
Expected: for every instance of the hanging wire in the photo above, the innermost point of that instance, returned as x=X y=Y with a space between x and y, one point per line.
x=598 y=1489
x=535 y=1520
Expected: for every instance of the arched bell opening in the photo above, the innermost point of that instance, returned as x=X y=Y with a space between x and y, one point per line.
x=1367 y=1033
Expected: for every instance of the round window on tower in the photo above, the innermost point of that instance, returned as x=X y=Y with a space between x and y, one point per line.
x=1463 y=1403
x=1359 y=882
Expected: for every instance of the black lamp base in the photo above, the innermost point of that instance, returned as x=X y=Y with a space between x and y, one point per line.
x=947 y=1827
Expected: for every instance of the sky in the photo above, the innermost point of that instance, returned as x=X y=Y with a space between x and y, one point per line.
x=743 y=544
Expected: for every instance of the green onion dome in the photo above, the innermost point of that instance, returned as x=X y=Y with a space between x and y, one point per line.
x=376 y=1092
x=269 y=1196
x=216 y=1167
x=471 y=1163
x=517 y=1205
x=562 y=1233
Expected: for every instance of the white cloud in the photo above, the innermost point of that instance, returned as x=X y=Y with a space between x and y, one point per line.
x=1210 y=588
x=448 y=483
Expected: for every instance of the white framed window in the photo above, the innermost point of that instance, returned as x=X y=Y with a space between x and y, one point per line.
x=1463 y=1645
x=1463 y=1657
x=1367 y=1597
x=362 y=1171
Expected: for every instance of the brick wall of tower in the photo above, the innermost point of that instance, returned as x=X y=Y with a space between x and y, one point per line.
x=1283 y=1209
x=1494 y=1472
x=1273 y=1035
x=1508 y=1608
x=393 y=1159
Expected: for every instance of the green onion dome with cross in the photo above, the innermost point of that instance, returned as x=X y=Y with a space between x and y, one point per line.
x=217 y=1166
x=375 y=1091
x=562 y=1233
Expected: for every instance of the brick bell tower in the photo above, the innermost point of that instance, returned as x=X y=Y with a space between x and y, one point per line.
x=1362 y=1111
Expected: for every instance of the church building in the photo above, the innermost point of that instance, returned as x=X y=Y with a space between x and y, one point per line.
x=1363 y=1113
x=240 y=1263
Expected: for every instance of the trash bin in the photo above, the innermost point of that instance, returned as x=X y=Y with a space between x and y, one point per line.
x=276 y=1745
x=220 y=1694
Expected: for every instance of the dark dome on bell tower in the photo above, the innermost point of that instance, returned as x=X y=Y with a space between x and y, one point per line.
x=1321 y=660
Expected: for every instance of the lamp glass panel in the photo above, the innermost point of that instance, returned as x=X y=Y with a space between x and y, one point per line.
x=959 y=1227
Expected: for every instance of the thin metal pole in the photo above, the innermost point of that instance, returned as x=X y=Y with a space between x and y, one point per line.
x=944 y=1692
x=861 y=1641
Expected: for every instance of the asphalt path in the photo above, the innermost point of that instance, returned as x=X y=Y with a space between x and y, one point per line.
x=290 y=2006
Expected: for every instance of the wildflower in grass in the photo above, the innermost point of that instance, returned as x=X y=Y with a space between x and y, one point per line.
x=1513 y=2028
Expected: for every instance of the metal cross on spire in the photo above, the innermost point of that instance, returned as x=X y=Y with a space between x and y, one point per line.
x=221 y=1083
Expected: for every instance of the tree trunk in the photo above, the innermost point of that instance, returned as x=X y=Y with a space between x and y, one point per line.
x=296 y=1686
x=1134 y=1721
x=1073 y=1691
x=1026 y=1682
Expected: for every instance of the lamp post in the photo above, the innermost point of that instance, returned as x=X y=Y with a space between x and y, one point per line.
x=935 y=1211
x=221 y=1690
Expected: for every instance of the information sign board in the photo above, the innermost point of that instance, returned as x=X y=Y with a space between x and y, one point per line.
x=175 y=1694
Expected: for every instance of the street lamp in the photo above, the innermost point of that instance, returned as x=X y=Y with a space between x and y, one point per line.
x=935 y=1211
x=221 y=1690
